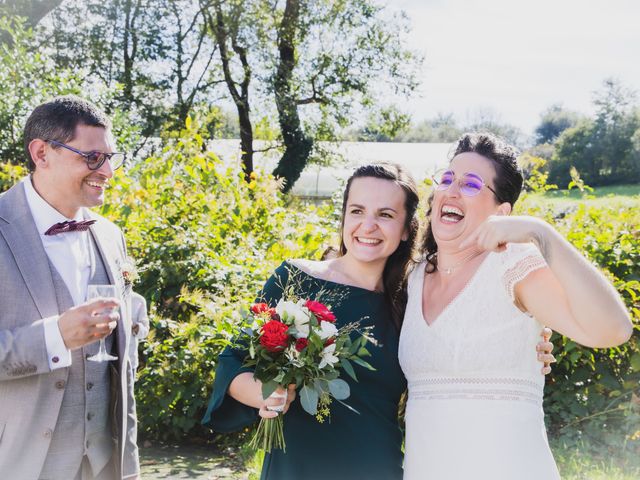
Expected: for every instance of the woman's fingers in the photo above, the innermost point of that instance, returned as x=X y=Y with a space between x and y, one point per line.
x=278 y=402
x=264 y=413
x=544 y=349
x=274 y=404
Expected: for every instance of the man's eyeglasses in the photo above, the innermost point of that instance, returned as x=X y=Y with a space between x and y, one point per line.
x=470 y=184
x=94 y=158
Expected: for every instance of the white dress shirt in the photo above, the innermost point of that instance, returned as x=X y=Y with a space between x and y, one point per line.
x=69 y=254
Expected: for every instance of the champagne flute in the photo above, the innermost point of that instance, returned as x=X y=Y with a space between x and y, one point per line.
x=99 y=291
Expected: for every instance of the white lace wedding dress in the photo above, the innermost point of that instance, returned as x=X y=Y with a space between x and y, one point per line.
x=475 y=388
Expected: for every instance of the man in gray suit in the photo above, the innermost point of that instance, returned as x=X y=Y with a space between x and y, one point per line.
x=63 y=416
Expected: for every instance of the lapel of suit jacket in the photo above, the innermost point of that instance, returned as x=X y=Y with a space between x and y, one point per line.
x=112 y=257
x=23 y=239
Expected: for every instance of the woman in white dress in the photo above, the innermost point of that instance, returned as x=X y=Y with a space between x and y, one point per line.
x=475 y=391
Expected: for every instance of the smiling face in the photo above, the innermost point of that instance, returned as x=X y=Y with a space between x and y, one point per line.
x=454 y=215
x=374 y=219
x=63 y=178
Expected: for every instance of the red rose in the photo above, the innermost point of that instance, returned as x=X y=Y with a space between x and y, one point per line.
x=329 y=341
x=322 y=313
x=274 y=336
x=260 y=308
x=301 y=344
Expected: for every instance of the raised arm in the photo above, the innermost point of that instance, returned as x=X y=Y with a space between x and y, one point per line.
x=572 y=296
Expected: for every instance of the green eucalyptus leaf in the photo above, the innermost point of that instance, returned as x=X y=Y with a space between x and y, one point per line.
x=339 y=389
x=309 y=399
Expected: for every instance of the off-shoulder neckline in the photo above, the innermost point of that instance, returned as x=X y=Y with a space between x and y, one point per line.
x=324 y=280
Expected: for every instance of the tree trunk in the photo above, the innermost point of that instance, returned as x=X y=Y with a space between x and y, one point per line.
x=297 y=145
x=220 y=31
x=129 y=51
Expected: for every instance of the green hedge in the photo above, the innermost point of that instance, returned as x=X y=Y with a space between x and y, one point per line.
x=593 y=395
x=206 y=240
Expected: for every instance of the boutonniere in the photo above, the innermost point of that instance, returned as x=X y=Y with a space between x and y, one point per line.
x=129 y=271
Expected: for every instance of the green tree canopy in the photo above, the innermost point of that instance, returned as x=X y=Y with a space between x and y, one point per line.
x=553 y=122
x=602 y=149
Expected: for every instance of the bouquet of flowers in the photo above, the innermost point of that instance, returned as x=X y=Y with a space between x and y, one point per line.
x=297 y=342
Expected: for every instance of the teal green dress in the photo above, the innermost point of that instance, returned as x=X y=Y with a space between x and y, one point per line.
x=349 y=446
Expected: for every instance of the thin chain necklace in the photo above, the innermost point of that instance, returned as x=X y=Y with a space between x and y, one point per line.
x=449 y=270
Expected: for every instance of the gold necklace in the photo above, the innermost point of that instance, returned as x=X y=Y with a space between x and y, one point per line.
x=449 y=270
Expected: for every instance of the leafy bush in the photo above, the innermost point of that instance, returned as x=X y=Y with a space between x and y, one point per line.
x=10 y=174
x=594 y=394
x=27 y=79
x=206 y=241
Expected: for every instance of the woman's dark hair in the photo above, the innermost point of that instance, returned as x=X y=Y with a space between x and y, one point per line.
x=507 y=181
x=394 y=276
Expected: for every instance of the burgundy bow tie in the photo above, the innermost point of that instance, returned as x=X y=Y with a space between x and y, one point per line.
x=71 y=226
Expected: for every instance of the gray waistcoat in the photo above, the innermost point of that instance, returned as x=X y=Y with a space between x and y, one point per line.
x=83 y=426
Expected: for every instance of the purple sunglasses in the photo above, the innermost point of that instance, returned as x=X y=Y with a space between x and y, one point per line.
x=470 y=184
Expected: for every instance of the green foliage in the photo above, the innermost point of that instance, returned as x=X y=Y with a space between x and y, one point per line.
x=206 y=241
x=10 y=174
x=577 y=461
x=385 y=125
x=553 y=122
x=27 y=79
x=592 y=394
x=536 y=178
x=604 y=149
x=441 y=129
x=577 y=182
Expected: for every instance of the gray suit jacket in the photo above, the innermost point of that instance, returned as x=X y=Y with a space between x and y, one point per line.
x=30 y=394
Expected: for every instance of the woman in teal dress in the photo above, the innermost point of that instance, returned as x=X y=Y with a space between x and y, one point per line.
x=364 y=283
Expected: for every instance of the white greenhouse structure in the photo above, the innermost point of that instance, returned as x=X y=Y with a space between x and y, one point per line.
x=320 y=181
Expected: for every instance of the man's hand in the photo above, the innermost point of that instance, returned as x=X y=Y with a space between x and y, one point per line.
x=544 y=348
x=88 y=322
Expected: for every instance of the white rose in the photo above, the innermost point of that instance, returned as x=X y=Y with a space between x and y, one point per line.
x=296 y=311
x=328 y=357
x=327 y=330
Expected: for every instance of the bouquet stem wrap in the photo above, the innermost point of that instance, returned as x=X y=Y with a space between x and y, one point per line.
x=269 y=435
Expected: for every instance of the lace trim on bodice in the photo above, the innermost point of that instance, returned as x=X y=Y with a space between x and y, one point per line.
x=520 y=270
x=446 y=388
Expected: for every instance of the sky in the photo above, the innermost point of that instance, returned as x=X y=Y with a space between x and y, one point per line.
x=516 y=58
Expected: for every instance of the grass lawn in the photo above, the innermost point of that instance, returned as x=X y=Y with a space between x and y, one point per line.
x=602 y=196
x=560 y=201
x=600 y=192
x=575 y=465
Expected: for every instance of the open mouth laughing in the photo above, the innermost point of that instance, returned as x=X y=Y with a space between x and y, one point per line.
x=451 y=214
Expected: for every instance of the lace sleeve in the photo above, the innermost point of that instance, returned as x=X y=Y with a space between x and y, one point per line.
x=520 y=260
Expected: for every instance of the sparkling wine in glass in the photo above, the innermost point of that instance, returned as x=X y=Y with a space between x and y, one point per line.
x=102 y=291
